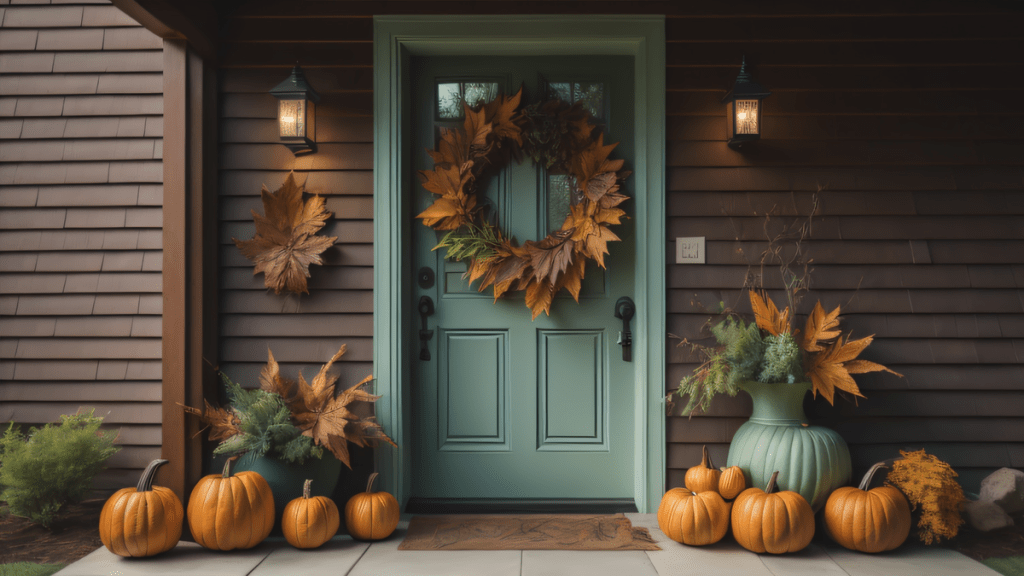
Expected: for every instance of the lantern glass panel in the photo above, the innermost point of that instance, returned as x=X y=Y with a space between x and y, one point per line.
x=747 y=117
x=292 y=117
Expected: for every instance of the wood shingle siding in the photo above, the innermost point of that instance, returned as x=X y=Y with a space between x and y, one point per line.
x=80 y=227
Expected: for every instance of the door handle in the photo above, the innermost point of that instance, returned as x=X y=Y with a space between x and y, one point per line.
x=625 y=309
x=426 y=309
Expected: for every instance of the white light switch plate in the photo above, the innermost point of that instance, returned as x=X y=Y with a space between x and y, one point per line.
x=690 y=250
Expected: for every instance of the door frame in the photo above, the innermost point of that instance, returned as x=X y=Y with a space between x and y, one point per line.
x=396 y=39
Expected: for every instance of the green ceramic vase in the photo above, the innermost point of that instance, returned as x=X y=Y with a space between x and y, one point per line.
x=286 y=479
x=811 y=460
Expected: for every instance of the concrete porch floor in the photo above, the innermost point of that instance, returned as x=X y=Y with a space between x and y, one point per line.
x=343 y=556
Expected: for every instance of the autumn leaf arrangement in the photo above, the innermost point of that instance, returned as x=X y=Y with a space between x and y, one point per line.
x=286 y=240
x=291 y=420
x=770 y=351
x=931 y=488
x=559 y=135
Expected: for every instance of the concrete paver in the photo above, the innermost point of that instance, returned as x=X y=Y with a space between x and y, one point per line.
x=587 y=563
x=343 y=556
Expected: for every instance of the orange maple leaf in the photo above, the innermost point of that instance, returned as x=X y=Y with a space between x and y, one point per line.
x=820 y=328
x=285 y=244
x=832 y=367
x=767 y=315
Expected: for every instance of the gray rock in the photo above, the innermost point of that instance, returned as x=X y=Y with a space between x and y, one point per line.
x=1005 y=487
x=985 y=516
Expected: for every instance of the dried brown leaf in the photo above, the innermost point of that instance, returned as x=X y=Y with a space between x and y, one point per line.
x=285 y=244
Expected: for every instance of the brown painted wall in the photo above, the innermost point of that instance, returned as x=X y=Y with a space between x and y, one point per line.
x=80 y=227
x=900 y=112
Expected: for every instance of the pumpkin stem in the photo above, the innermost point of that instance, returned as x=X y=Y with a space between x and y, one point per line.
x=369 y=483
x=305 y=488
x=227 y=466
x=705 y=460
x=146 y=480
x=771 y=483
x=866 y=481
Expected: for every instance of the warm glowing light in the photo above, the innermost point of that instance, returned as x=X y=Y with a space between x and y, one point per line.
x=746 y=117
x=290 y=115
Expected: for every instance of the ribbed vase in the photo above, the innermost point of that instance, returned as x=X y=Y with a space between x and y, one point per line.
x=811 y=460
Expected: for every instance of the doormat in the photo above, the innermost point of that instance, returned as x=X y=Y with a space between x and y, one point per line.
x=526 y=532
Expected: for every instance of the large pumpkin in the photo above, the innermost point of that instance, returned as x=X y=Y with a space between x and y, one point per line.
x=731 y=482
x=371 y=515
x=704 y=476
x=694 y=519
x=142 y=521
x=228 y=512
x=874 y=520
x=309 y=522
x=766 y=521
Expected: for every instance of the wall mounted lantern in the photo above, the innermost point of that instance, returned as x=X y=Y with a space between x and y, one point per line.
x=296 y=112
x=744 y=108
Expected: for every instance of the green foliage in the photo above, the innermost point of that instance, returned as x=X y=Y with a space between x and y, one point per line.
x=712 y=377
x=52 y=466
x=743 y=348
x=29 y=569
x=266 y=425
x=469 y=241
x=781 y=361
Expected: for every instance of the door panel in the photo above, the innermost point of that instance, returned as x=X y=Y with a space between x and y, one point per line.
x=509 y=408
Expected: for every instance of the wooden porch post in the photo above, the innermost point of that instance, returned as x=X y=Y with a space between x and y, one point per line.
x=189 y=259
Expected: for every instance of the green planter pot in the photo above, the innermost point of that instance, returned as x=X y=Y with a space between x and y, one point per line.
x=286 y=479
x=811 y=460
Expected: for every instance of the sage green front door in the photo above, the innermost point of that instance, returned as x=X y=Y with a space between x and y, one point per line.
x=507 y=408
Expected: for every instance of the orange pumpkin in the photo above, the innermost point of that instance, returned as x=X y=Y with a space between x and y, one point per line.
x=309 y=522
x=693 y=519
x=731 y=482
x=874 y=520
x=371 y=515
x=765 y=521
x=702 y=477
x=142 y=521
x=228 y=512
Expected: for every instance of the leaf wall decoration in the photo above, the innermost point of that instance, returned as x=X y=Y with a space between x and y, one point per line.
x=286 y=243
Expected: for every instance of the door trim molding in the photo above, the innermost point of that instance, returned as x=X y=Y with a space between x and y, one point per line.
x=396 y=38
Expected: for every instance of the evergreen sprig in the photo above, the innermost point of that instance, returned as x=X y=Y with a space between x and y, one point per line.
x=266 y=427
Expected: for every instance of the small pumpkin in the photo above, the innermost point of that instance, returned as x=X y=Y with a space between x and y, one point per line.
x=874 y=520
x=702 y=477
x=309 y=522
x=692 y=518
x=228 y=512
x=731 y=482
x=769 y=521
x=142 y=521
x=371 y=515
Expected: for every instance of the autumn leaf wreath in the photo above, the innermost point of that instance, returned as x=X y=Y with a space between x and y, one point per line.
x=562 y=137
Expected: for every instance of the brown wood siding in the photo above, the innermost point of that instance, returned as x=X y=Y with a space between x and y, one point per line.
x=898 y=110
x=80 y=226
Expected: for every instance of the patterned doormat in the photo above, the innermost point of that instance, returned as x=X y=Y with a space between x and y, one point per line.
x=526 y=532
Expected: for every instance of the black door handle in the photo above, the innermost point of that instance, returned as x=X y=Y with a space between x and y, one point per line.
x=426 y=309
x=625 y=309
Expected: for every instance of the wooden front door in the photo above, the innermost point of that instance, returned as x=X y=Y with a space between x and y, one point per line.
x=507 y=408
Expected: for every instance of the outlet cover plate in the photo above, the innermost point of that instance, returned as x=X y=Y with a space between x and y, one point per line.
x=690 y=250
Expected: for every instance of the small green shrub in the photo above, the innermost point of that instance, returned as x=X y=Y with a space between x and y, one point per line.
x=52 y=466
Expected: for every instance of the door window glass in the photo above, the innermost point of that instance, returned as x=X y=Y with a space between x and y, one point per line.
x=451 y=96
